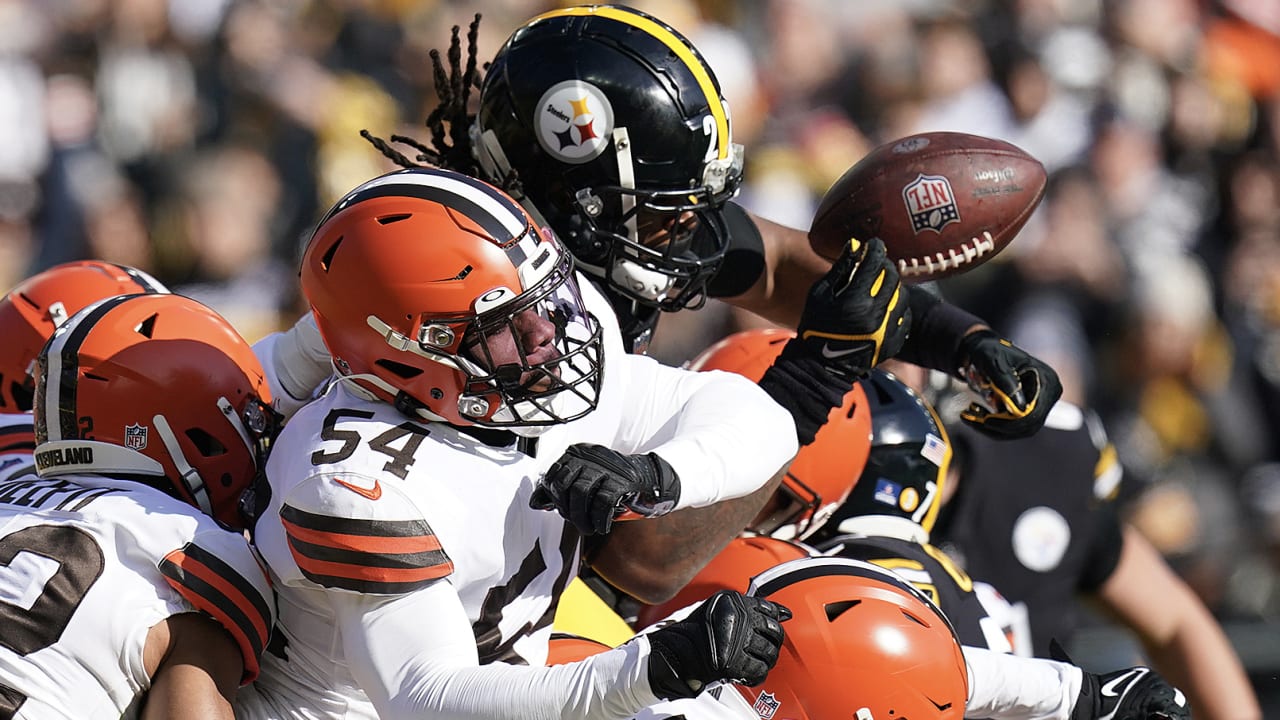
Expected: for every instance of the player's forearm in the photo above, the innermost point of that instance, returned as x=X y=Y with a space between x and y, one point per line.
x=1199 y=659
x=608 y=686
x=936 y=331
x=410 y=669
x=653 y=559
x=1007 y=687
x=722 y=434
x=791 y=268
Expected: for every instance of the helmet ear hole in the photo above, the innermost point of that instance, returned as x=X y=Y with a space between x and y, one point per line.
x=206 y=444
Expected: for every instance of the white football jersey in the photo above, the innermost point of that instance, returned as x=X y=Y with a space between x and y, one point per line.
x=365 y=500
x=17 y=442
x=87 y=566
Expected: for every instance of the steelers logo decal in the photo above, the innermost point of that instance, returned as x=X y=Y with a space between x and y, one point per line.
x=1040 y=538
x=909 y=500
x=573 y=121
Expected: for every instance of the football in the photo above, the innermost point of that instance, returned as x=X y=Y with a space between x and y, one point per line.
x=942 y=202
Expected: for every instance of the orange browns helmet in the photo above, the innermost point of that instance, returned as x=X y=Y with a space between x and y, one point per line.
x=823 y=472
x=861 y=644
x=154 y=387
x=414 y=275
x=30 y=313
x=731 y=569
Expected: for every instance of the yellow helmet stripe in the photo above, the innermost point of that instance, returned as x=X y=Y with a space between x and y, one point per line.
x=677 y=45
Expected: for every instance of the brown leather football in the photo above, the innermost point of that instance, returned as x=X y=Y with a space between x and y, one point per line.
x=942 y=202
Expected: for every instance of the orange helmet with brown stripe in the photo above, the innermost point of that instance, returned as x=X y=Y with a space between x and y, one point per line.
x=436 y=292
x=32 y=310
x=158 y=388
x=862 y=643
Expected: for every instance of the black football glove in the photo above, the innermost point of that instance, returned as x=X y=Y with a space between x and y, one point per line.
x=591 y=485
x=1135 y=693
x=857 y=314
x=730 y=636
x=1019 y=388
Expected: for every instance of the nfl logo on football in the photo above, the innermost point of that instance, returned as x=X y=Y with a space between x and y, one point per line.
x=135 y=436
x=766 y=705
x=930 y=202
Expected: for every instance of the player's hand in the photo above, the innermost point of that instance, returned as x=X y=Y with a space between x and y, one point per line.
x=730 y=636
x=857 y=314
x=1135 y=693
x=1019 y=389
x=591 y=485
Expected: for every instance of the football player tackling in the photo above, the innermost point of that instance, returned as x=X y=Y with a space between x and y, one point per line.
x=415 y=576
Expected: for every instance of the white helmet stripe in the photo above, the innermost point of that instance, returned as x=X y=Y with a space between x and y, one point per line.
x=499 y=215
x=147 y=282
x=58 y=388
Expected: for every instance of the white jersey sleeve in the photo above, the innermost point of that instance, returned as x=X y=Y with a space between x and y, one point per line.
x=386 y=641
x=87 y=567
x=1008 y=687
x=296 y=363
x=17 y=443
x=722 y=434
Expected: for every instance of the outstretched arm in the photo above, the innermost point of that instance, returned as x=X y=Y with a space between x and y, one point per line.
x=1179 y=634
x=790 y=268
x=652 y=559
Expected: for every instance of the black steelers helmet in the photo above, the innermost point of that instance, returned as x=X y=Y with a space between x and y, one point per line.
x=906 y=469
x=614 y=129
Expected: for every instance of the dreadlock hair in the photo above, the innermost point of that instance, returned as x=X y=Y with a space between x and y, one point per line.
x=449 y=123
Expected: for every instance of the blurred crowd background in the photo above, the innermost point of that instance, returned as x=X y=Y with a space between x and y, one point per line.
x=200 y=140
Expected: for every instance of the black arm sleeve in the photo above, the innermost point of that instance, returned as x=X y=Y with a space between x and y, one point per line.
x=744 y=260
x=800 y=383
x=936 y=331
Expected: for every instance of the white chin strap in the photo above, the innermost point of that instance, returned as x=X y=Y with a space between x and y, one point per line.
x=188 y=476
x=642 y=282
x=626 y=180
x=884 y=525
x=383 y=385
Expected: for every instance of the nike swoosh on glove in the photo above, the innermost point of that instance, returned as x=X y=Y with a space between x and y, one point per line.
x=592 y=485
x=857 y=314
x=1136 y=693
x=730 y=636
x=1019 y=389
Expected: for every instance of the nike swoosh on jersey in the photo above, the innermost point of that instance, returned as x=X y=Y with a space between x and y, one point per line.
x=373 y=493
x=365 y=555
x=216 y=588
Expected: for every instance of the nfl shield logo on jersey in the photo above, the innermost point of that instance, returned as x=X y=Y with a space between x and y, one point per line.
x=930 y=203
x=766 y=705
x=135 y=436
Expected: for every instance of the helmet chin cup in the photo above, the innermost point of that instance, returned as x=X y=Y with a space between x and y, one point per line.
x=641 y=282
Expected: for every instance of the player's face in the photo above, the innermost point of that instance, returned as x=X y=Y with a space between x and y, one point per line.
x=527 y=345
x=656 y=230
